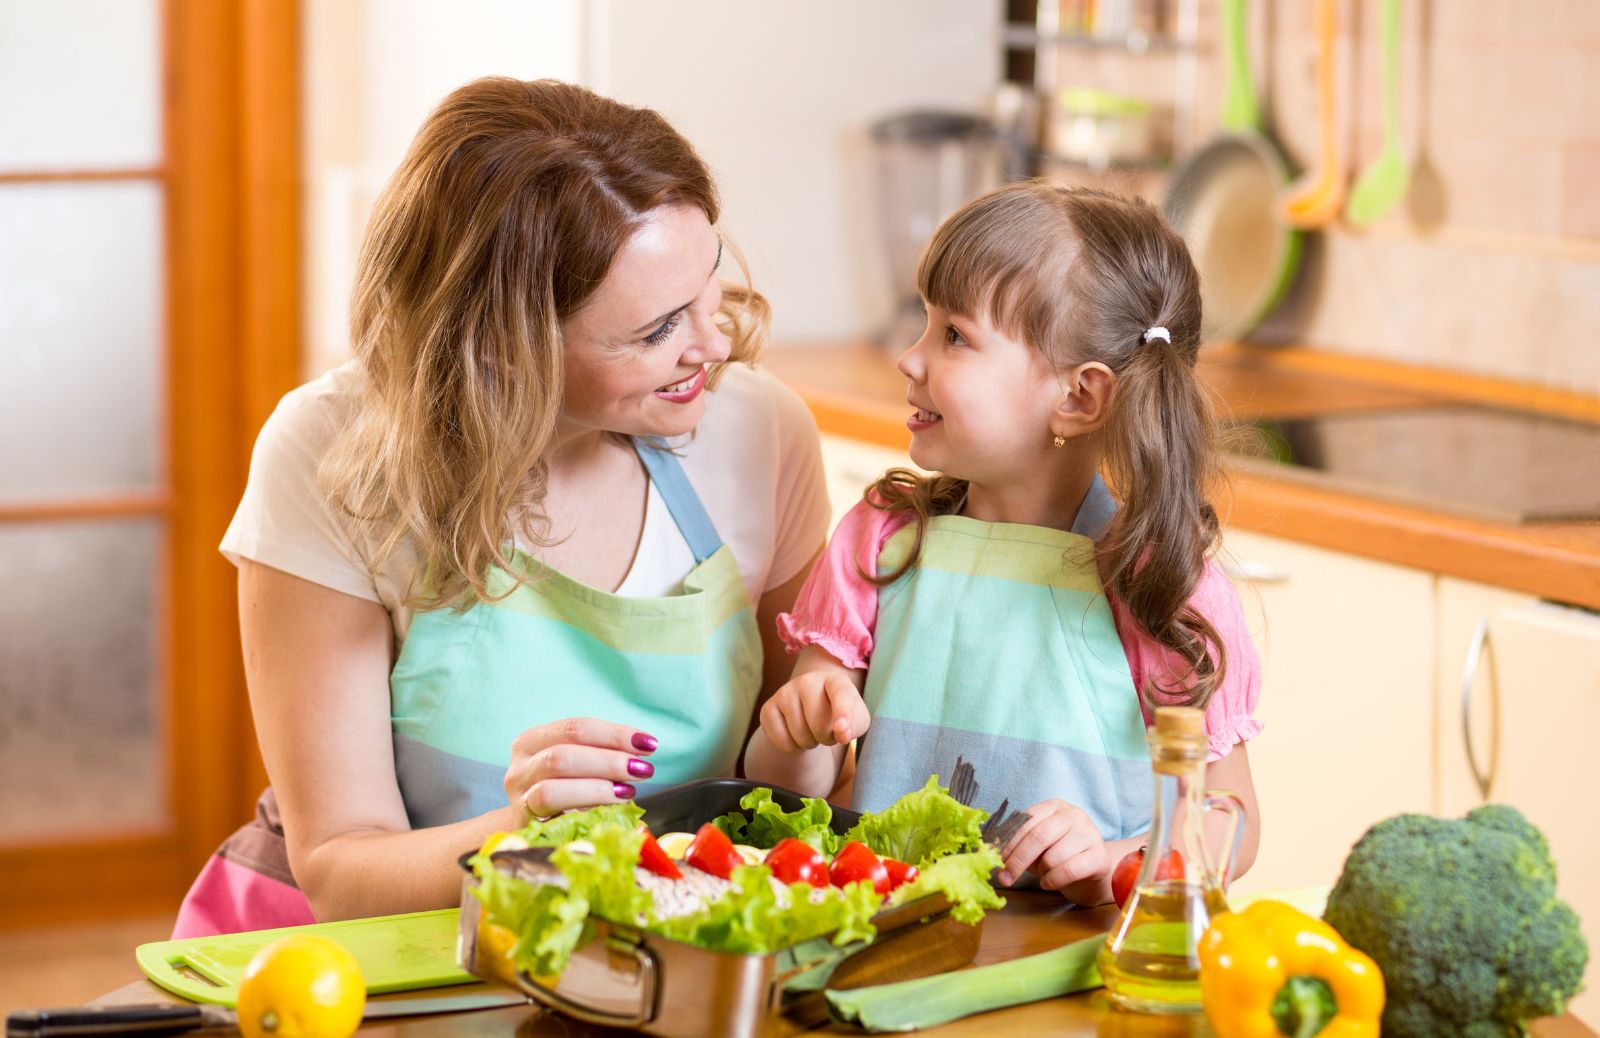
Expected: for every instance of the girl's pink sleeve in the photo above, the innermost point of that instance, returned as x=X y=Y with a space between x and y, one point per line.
x=837 y=608
x=1229 y=719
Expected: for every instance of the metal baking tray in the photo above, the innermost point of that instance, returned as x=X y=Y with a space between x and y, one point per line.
x=625 y=977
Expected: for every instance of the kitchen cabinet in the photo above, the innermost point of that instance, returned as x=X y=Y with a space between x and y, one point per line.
x=1531 y=710
x=1347 y=654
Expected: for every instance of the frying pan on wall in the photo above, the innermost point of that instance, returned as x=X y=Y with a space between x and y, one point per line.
x=1223 y=201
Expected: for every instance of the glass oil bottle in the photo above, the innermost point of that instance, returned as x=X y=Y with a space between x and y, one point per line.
x=1149 y=961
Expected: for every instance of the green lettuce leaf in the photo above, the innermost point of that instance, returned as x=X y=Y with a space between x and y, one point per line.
x=750 y=919
x=548 y=920
x=922 y=826
x=963 y=878
x=771 y=823
x=580 y=825
x=552 y=921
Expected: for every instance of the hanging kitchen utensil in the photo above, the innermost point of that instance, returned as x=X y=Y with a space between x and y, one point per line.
x=1426 y=202
x=1223 y=201
x=1383 y=183
x=1315 y=201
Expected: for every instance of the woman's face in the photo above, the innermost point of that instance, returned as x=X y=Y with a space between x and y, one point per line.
x=636 y=354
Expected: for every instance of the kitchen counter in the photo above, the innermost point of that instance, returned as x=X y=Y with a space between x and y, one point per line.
x=854 y=391
x=1031 y=922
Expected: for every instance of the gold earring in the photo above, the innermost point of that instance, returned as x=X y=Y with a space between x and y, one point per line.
x=1061 y=441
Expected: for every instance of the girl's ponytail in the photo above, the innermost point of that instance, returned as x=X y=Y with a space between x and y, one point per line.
x=1135 y=298
x=1160 y=441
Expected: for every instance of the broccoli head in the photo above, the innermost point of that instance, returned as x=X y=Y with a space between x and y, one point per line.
x=1462 y=917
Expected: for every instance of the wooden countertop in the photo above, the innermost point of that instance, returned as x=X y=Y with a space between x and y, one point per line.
x=854 y=390
x=1032 y=921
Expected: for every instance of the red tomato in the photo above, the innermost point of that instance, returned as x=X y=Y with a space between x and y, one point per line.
x=711 y=851
x=796 y=861
x=1126 y=874
x=856 y=862
x=654 y=859
x=899 y=873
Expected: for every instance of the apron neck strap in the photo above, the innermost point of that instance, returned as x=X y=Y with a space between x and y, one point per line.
x=678 y=494
x=1096 y=512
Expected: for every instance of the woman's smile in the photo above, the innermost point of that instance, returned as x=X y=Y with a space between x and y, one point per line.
x=684 y=390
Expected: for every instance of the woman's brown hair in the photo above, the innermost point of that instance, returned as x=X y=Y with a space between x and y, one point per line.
x=1082 y=275
x=501 y=222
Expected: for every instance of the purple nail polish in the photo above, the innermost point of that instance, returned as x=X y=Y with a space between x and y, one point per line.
x=622 y=790
x=644 y=743
x=641 y=769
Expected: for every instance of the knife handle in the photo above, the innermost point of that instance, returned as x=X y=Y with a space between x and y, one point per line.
x=70 y=1021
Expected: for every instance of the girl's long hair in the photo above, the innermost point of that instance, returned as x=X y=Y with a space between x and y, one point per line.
x=1081 y=275
x=507 y=212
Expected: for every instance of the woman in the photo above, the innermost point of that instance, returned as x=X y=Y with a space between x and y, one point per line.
x=515 y=556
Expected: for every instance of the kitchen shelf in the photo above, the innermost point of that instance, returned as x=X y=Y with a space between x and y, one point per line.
x=1147 y=165
x=1025 y=37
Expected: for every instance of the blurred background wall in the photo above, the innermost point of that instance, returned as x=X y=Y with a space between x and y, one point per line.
x=777 y=98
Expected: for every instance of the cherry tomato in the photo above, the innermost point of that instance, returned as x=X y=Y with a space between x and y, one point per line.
x=711 y=851
x=654 y=859
x=899 y=873
x=795 y=861
x=1126 y=874
x=856 y=862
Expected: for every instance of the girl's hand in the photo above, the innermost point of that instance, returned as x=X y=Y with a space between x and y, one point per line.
x=577 y=762
x=817 y=708
x=1061 y=846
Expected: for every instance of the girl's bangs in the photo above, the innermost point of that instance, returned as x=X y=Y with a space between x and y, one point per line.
x=980 y=267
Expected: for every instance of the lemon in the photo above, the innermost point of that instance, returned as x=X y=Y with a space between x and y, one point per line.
x=675 y=844
x=301 y=986
x=504 y=842
x=751 y=855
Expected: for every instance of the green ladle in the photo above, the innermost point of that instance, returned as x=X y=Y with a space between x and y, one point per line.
x=1383 y=183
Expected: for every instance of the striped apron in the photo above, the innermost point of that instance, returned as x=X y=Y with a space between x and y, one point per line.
x=999 y=646
x=686 y=668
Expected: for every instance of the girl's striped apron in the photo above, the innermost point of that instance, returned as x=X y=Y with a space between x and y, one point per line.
x=999 y=646
x=686 y=668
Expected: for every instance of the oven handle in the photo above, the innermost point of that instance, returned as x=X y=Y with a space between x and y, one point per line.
x=648 y=973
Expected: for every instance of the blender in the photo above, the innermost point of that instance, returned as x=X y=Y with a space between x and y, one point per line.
x=929 y=164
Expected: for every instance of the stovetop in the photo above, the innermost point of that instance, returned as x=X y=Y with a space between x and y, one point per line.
x=1510 y=466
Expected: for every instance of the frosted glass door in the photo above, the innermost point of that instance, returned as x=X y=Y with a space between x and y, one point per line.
x=85 y=500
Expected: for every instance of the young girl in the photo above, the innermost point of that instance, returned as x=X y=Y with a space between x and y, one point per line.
x=1012 y=608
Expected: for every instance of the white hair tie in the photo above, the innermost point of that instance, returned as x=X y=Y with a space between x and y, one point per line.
x=1158 y=332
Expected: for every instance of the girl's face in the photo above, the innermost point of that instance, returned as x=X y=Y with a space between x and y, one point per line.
x=983 y=400
x=636 y=354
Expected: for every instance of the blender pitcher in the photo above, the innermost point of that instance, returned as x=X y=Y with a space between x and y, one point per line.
x=929 y=163
x=1149 y=962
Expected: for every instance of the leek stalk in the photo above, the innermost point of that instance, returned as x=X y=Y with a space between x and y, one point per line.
x=930 y=1001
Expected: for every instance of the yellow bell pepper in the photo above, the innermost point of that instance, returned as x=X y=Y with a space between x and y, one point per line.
x=1272 y=970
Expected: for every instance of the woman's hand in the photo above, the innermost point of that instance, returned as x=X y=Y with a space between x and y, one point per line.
x=1061 y=846
x=816 y=708
x=576 y=762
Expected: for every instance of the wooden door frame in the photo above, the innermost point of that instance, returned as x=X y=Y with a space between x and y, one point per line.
x=231 y=96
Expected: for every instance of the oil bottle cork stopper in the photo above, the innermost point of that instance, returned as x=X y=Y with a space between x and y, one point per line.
x=1181 y=721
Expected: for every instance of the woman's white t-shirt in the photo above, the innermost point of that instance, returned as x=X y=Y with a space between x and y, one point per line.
x=755 y=460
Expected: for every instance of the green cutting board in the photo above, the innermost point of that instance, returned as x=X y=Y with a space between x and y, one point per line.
x=396 y=952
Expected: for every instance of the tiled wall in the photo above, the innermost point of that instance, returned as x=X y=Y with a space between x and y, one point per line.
x=1498 y=269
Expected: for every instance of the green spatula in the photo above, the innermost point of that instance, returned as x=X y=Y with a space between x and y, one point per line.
x=1383 y=183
